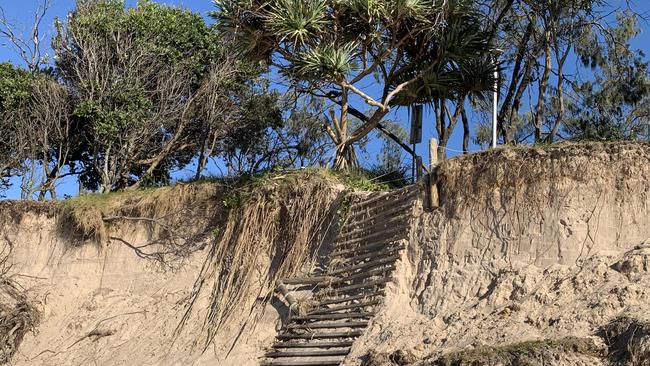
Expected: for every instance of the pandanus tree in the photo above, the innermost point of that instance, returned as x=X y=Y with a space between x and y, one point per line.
x=453 y=67
x=354 y=53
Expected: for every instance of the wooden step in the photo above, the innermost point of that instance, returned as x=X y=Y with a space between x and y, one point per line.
x=334 y=309
x=397 y=195
x=371 y=264
x=365 y=296
x=374 y=254
x=333 y=316
x=377 y=212
x=367 y=202
x=352 y=229
x=369 y=284
x=313 y=344
x=331 y=280
x=362 y=248
x=307 y=353
x=354 y=289
x=331 y=362
x=395 y=231
x=381 y=242
x=319 y=335
x=308 y=280
x=328 y=325
x=380 y=224
x=359 y=276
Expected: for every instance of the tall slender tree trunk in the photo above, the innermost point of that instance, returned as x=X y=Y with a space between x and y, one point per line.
x=543 y=84
x=200 y=165
x=504 y=117
x=440 y=127
x=561 y=59
x=345 y=156
x=453 y=120
x=466 y=131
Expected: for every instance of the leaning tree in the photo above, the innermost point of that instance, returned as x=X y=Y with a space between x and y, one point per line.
x=354 y=53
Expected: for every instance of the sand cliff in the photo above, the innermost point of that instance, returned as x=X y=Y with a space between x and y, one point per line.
x=549 y=246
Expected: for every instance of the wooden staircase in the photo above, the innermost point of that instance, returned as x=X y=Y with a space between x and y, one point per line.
x=347 y=294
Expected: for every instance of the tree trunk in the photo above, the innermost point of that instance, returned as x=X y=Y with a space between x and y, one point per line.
x=200 y=165
x=345 y=157
x=543 y=84
x=49 y=185
x=509 y=136
x=466 y=131
x=440 y=128
x=448 y=130
x=560 y=92
x=504 y=117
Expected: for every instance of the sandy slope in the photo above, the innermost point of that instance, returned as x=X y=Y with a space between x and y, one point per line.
x=103 y=303
x=521 y=254
x=530 y=244
x=106 y=306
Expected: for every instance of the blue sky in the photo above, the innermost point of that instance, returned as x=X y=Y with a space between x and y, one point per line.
x=21 y=13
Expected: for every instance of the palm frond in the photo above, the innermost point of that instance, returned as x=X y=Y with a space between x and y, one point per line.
x=417 y=9
x=297 y=20
x=366 y=9
x=329 y=62
x=455 y=62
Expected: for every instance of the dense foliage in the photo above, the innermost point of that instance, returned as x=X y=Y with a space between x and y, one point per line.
x=331 y=48
x=134 y=94
x=14 y=90
x=570 y=72
x=141 y=77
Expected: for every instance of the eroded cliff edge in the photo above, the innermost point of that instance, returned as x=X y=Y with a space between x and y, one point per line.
x=534 y=257
x=537 y=256
x=180 y=275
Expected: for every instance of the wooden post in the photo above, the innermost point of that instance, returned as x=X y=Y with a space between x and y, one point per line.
x=433 y=153
x=434 y=199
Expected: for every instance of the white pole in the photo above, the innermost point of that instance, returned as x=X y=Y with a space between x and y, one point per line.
x=494 y=109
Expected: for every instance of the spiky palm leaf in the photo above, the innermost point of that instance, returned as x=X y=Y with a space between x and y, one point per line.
x=327 y=62
x=454 y=63
x=297 y=21
x=366 y=9
x=417 y=9
x=246 y=27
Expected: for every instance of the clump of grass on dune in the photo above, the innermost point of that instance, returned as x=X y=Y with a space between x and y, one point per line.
x=87 y=217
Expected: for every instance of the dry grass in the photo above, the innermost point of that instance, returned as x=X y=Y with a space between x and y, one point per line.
x=88 y=217
x=517 y=170
x=533 y=353
x=273 y=233
x=179 y=220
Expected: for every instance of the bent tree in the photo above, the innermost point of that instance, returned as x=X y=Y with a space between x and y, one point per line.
x=336 y=48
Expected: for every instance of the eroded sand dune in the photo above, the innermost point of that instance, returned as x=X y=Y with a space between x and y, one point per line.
x=545 y=246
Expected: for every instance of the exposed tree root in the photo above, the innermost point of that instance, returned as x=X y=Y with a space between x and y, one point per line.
x=274 y=233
